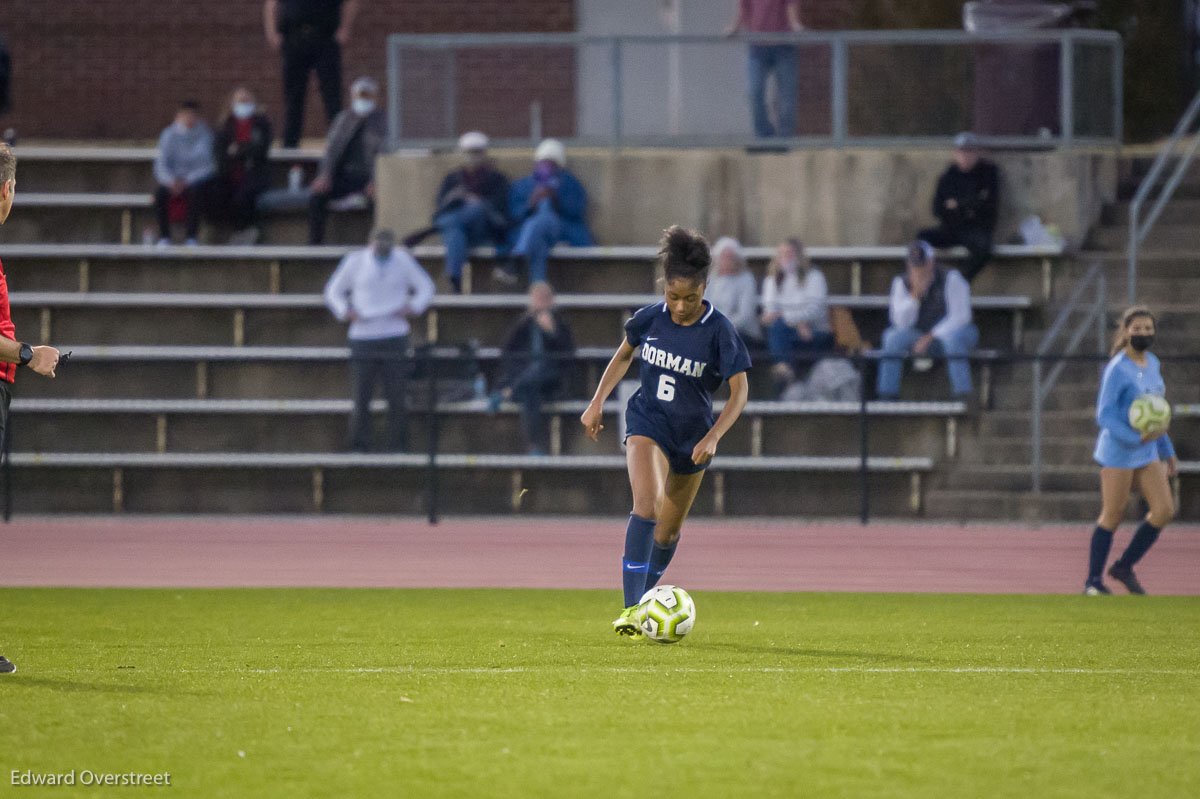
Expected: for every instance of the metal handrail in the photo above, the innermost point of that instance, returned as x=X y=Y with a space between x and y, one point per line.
x=1043 y=387
x=1139 y=231
x=838 y=44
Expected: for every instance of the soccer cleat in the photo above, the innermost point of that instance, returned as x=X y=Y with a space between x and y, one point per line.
x=6 y=665
x=628 y=623
x=1124 y=575
x=1095 y=588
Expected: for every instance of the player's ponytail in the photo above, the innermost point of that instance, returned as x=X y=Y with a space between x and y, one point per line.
x=1121 y=339
x=684 y=254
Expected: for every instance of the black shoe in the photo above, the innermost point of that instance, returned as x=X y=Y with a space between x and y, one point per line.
x=1124 y=575
x=1095 y=588
x=6 y=665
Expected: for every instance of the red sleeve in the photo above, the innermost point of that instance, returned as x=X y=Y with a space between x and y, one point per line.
x=8 y=371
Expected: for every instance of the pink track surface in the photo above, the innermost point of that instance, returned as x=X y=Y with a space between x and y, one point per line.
x=569 y=553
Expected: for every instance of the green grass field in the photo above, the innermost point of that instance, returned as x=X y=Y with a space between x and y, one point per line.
x=369 y=693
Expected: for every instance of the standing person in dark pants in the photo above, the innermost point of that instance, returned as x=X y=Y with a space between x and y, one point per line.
x=771 y=16
x=377 y=289
x=347 y=171
x=310 y=34
x=531 y=362
x=42 y=360
x=966 y=204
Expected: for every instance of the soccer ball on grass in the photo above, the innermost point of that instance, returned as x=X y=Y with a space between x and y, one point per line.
x=667 y=614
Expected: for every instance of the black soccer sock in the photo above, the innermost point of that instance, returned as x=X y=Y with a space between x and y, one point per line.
x=1101 y=544
x=1143 y=538
x=660 y=558
x=639 y=538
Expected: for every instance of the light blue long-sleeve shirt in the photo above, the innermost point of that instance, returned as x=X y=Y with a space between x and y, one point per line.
x=185 y=154
x=1119 y=445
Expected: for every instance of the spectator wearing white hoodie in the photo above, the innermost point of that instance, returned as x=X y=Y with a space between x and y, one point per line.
x=732 y=290
x=795 y=313
x=184 y=169
x=377 y=290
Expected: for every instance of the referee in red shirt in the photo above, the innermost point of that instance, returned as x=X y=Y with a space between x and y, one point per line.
x=13 y=353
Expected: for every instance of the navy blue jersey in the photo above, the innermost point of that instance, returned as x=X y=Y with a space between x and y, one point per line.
x=682 y=365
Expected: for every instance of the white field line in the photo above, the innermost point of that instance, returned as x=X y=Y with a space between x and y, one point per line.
x=451 y=670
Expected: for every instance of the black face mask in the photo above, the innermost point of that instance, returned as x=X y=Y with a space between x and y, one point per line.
x=1141 y=343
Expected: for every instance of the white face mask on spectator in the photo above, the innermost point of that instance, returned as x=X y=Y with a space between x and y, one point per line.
x=362 y=105
x=243 y=110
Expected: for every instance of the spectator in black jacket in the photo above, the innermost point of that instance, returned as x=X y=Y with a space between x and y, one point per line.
x=966 y=201
x=241 y=146
x=310 y=35
x=472 y=206
x=531 y=364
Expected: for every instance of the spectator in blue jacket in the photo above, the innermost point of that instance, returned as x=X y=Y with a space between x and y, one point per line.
x=184 y=169
x=549 y=206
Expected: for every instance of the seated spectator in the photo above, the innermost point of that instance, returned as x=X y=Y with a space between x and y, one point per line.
x=472 y=206
x=531 y=364
x=184 y=169
x=347 y=171
x=795 y=314
x=930 y=316
x=965 y=203
x=241 y=147
x=377 y=289
x=549 y=206
x=732 y=290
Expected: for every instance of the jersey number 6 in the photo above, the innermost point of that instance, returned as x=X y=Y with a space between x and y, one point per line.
x=666 y=388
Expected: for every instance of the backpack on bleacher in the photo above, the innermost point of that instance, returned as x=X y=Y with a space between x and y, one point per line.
x=831 y=380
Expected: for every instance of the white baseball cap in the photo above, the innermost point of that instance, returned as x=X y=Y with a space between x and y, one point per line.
x=472 y=140
x=551 y=150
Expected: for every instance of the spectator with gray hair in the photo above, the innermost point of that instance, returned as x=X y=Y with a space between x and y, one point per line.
x=732 y=290
x=550 y=206
x=347 y=170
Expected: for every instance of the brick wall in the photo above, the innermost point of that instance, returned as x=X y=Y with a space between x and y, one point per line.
x=115 y=69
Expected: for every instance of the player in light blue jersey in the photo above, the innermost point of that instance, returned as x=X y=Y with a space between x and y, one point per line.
x=688 y=349
x=1127 y=457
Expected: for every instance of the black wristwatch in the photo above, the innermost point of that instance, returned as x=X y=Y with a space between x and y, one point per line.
x=26 y=354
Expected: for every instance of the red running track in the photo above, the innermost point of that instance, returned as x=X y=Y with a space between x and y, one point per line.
x=779 y=555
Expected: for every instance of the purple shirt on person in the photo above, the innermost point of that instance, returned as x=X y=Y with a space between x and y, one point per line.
x=767 y=16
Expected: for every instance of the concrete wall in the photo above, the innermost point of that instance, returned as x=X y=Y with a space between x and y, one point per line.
x=827 y=197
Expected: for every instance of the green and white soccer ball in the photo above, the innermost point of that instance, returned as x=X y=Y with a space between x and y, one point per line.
x=667 y=614
x=1149 y=414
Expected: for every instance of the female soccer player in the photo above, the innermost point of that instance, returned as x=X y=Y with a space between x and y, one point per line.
x=688 y=349
x=1128 y=457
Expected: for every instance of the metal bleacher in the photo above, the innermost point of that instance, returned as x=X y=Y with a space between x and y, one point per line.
x=212 y=379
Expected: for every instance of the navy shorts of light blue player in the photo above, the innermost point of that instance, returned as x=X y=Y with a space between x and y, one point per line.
x=1128 y=458
x=688 y=349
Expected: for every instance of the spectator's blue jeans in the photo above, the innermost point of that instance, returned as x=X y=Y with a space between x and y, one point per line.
x=764 y=59
x=531 y=388
x=898 y=342
x=784 y=343
x=463 y=228
x=539 y=233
